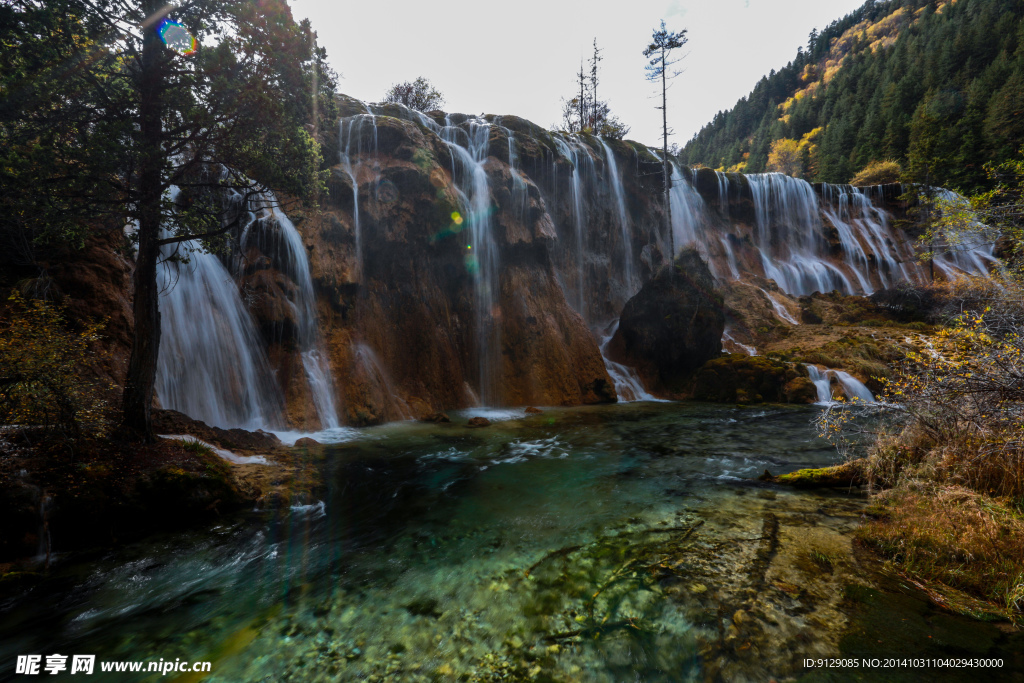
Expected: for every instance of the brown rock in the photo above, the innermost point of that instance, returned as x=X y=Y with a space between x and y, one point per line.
x=533 y=411
x=800 y=390
x=435 y=417
x=306 y=442
x=479 y=422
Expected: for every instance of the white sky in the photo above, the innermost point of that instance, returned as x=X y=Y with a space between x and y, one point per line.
x=520 y=56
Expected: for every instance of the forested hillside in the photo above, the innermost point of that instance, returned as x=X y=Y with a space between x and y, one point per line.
x=936 y=86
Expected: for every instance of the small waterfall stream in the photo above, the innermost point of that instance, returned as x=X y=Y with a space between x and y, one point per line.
x=628 y=386
x=615 y=181
x=352 y=159
x=578 y=155
x=274 y=233
x=853 y=388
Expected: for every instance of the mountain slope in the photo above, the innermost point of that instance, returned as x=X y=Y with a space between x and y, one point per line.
x=936 y=86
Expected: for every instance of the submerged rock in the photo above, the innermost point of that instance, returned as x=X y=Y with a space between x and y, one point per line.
x=435 y=418
x=533 y=411
x=479 y=422
x=672 y=326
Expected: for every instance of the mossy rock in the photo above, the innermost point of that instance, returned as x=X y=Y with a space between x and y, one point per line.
x=738 y=378
x=846 y=475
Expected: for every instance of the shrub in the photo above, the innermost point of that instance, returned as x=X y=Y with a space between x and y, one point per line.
x=43 y=381
x=878 y=173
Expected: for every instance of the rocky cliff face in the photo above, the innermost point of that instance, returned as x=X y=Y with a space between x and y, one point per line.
x=460 y=261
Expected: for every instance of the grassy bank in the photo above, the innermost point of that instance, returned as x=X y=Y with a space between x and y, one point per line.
x=945 y=454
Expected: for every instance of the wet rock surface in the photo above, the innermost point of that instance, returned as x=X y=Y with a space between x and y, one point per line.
x=672 y=326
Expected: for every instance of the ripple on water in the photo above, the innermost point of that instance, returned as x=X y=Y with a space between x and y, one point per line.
x=599 y=544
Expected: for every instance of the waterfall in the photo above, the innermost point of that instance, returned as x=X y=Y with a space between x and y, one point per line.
x=780 y=310
x=350 y=138
x=853 y=387
x=973 y=259
x=688 y=212
x=578 y=155
x=788 y=236
x=859 y=224
x=620 y=204
x=728 y=340
x=628 y=386
x=723 y=193
x=211 y=364
x=821 y=383
x=273 y=233
x=468 y=143
x=520 y=193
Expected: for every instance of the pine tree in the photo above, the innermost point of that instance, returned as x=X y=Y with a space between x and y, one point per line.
x=659 y=52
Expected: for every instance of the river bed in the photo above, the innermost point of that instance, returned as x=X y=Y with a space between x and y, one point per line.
x=610 y=543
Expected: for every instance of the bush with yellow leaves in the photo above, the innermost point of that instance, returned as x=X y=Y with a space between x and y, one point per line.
x=44 y=381
x=947 y=446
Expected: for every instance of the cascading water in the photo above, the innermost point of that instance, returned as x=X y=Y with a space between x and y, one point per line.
x=628 y=386
x=853 y=388
x=468 y=143
x=211 y=364
x=859 y=224
x=788 y=236
x=975 y=258
x=688 y=211
x=780 y=310
x=821 y=383
x=520 y=193
x=723 y=193
x=620 y=204
x=736 y=346
x=578 y=155
x=273 y=233
x=353 y=160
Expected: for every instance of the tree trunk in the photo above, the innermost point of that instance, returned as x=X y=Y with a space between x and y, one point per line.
x=137 y=399
x=667 y=175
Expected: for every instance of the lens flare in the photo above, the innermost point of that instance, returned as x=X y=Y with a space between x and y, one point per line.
x=456 y=218
x=177 y=37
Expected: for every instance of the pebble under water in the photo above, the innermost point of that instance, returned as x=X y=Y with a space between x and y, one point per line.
x=611 y=543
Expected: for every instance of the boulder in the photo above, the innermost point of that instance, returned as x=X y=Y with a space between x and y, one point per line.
x=306 y=442
x=533 y=411
x=479 y=422
x=435 y=418
x=672 y=326
x=738 y=378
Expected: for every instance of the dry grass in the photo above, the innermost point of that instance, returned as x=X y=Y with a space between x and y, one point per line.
x=955 y=536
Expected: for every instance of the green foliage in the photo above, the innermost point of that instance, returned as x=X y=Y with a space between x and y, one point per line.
x=252 y=98
x=935 y=87
x=585 y=112
x=43 y=372
x=196 y=447
x=420 y=95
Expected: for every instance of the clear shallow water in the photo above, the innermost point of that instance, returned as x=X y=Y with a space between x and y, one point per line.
x=609 y=543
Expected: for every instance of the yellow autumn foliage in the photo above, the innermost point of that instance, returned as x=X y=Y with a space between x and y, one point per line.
x=785 y=157
x=43 y=382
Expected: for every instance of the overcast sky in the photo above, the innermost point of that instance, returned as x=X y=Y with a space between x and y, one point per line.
x=520 y=56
